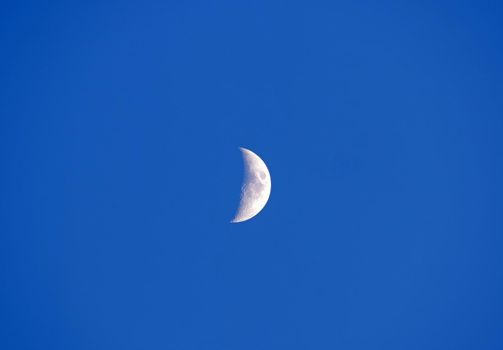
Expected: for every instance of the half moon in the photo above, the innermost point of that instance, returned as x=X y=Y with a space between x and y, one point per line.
x=256 y=187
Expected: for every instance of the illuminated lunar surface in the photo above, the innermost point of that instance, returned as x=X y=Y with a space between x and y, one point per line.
x=256 y=187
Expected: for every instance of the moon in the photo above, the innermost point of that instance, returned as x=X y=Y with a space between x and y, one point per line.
x=256 y=187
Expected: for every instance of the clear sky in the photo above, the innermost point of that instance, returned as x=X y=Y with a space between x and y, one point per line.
x=381 y=123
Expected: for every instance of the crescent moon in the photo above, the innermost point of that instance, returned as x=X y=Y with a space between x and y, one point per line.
x=256 y=187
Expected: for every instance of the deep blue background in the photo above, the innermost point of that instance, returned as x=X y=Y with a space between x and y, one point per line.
x=381 y=124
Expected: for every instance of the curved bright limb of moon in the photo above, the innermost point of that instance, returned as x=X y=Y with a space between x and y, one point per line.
x=256 y=187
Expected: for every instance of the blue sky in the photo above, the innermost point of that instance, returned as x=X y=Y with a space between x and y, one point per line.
x=380 y=122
